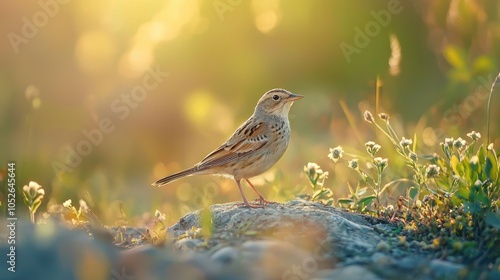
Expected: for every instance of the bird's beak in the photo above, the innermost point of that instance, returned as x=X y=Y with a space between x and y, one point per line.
x=294 y=97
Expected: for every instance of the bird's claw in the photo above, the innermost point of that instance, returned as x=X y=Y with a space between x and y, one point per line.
x=263 y=201
x=243 y=204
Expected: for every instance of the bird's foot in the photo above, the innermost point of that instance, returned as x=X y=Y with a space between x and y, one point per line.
x=246 y=204
x=264 y=201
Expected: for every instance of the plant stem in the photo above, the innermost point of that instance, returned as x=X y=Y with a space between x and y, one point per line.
x=32 y=217
x=379 y=183
x=489 y=109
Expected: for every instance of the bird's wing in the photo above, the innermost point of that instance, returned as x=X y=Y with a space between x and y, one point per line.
x=250 y=137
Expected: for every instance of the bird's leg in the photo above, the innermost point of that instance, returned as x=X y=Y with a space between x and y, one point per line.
x=261 y=199
x=245 y=202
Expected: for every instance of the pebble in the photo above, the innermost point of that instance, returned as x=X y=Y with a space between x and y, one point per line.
x=446 y=269
x=226 y=255
x=272 y=259
x=381 y=259
x=383 y=246
x=409 y=263
x=186 y=244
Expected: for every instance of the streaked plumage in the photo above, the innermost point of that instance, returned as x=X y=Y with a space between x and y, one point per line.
x=253 y=148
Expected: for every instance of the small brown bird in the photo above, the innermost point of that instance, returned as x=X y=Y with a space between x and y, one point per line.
x=253 y=148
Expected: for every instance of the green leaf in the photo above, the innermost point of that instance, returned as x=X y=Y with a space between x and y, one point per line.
x=492 y=220
x=467 y=167
x=365 y=201
x=471 y=171
x=351 y=191
x=492 y=159
x=361 y=191
x=472 y=207
x=443 y=183
x=413 y=192
x=457 y=166
x=488 y=167
x=481 y=154
x=35 y=205
x=482 y=197
x=27 y=200
x=470 y=151
x=444 y=149
x=472 y=192
x=317 y=193
x=457 y=201
x=345 y=201
x=463 y=193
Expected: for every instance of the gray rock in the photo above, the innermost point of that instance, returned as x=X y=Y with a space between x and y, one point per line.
x=409 y=263
x=266 y=259
x=226 y=255
x=295 y=240
x=385 y=228
x=186 y=244
x=390 y=267
x=444 y=269
x=272 y=259
x=353 y=272
x=50 y=251
x=383 y=246
x=382 y=259
x=308 y=225
x=149 y=262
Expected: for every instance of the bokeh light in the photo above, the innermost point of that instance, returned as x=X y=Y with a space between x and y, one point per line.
x=428 y=63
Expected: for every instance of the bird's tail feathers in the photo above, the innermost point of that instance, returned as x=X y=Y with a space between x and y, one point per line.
x=175 y=176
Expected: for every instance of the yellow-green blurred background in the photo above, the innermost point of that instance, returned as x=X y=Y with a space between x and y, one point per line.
x=68 y=66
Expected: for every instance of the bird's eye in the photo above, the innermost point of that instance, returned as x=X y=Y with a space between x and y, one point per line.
x=276 y=97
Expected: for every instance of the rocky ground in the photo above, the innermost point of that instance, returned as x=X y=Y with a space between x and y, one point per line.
x=295 y=240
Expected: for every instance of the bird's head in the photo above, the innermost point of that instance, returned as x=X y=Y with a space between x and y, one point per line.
x=276 y=102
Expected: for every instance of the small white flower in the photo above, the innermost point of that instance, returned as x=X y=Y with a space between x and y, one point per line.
x=459 y=143
x=67 y=203
x=372 y=148
x=380 y=162
x=159 y=215
x=474 y=160
x=313 y=168
x=383 y=116
x=83 y=205
x=370 y=144
x=33 y=189
x=448 y=142
x=336 y=153
x=432 y=170
x=474 y=135
x=368 y=116
x=413 y=156
x=405 y=142
x=353 y=163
